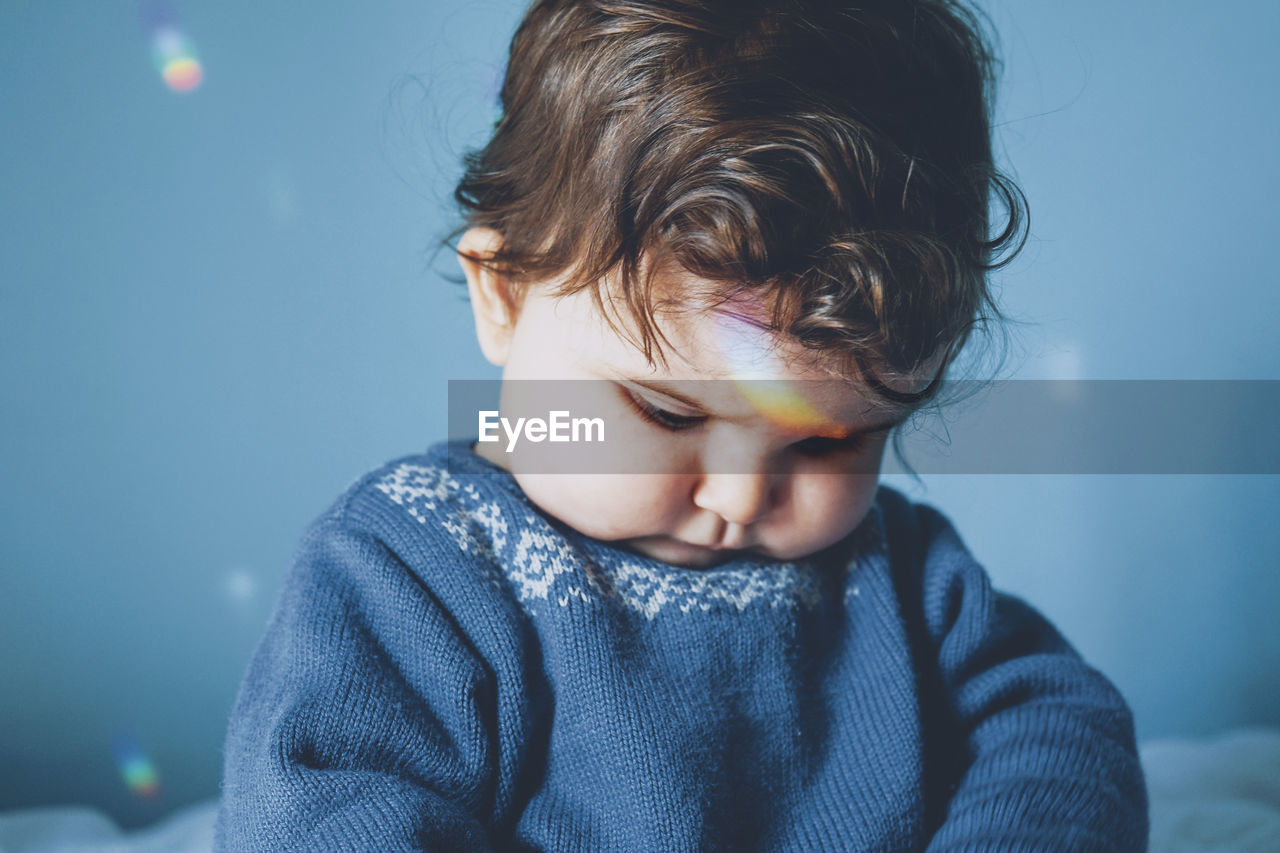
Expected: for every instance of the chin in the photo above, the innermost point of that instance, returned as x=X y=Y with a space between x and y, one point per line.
x=680 y=554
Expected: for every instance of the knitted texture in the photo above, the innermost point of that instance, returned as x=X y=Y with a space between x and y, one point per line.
x=449 y=669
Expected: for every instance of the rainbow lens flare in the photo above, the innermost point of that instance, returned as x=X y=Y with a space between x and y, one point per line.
x=176 y=59
x=755 y=368
x=172 y=51
x=135 y=768
x=785 y=407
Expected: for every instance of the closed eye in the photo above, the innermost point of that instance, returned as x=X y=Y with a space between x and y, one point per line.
x=658 y=416
x=823 y=446
x=819 y=445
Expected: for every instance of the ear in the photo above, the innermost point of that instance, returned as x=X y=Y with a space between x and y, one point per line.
x=491 y=304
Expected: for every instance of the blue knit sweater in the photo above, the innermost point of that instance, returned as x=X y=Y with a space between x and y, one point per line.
x=449 y=669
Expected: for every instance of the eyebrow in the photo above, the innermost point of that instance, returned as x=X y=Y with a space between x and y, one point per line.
x=663 y=388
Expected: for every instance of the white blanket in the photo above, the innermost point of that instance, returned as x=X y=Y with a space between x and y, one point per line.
x=78 y=829
x=1220 y=794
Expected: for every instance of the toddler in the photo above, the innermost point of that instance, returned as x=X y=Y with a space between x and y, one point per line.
x=748 y=644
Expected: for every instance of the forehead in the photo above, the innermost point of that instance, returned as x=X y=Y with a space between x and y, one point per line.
x=707 y=330
x=720 y=353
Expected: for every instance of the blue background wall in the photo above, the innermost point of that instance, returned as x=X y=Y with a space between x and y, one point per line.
x=217 y=309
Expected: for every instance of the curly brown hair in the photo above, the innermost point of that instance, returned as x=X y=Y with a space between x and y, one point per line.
x=832 y=156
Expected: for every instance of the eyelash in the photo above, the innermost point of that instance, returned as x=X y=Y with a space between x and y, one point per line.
x=669 y=421
x=821 y=446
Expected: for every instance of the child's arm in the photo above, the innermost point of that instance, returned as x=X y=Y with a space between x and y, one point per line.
x=359 y=725
x=1048 y=741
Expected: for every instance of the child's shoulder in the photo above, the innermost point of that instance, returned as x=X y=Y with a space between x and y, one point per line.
x=410 y=546
x=441 y=507
x=931 y=566
x=942 y=583
x=917 y=532
x=424 y=487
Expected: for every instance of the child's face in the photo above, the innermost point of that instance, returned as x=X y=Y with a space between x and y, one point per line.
x=794 y=487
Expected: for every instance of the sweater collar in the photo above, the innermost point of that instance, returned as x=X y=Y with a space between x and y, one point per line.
x=460 y=460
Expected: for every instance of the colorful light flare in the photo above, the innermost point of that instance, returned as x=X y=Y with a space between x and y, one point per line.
x=174 y=55
x=136 y=769
x=757 y=373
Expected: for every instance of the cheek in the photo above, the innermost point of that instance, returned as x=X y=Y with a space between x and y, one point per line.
x=828 y=507
x=609 y=506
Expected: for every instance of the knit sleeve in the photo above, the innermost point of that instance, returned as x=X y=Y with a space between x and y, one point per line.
x=360 y=724
x=1048 y=750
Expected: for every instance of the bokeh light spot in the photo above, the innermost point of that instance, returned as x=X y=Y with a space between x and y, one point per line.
x=241 y=585
x=183 y=75
x=136 y=769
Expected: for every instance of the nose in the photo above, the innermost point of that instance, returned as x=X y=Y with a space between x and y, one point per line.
x=737 y=498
